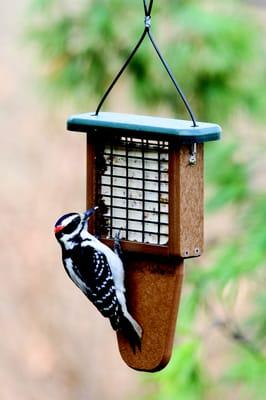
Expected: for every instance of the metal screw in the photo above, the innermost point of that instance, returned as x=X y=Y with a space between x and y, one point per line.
x=193 y=154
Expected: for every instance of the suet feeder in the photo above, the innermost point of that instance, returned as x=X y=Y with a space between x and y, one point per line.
x=146 y=175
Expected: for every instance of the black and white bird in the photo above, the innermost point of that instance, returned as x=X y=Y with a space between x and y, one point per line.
x=97 y=271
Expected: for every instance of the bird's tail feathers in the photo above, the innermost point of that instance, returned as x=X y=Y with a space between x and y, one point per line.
x=132 y=331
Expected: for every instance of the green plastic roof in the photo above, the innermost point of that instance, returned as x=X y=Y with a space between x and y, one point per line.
x=140 y=125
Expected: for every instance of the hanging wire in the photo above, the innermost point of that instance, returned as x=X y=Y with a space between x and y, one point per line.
x=147 y=32
x=120 y=72
x=147 y=10
x=166 y=66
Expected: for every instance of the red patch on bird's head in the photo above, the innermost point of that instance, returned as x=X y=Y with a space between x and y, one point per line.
x=58 y=228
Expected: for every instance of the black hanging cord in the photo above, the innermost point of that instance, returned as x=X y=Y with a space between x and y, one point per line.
x=120 y=72
x=147 y=10
x=166 y=66
x=147 y=31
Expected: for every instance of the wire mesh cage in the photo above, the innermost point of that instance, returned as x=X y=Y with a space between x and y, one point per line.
x=132 y=189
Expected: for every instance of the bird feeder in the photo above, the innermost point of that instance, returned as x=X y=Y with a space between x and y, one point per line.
x=146 y=175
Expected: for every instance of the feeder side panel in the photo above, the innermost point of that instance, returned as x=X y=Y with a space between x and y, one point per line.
x=91 y=177
x=186 y=202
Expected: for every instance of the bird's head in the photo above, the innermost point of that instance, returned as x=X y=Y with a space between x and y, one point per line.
x=71 y=224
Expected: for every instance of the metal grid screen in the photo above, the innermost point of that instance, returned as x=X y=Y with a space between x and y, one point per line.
x=133 y=189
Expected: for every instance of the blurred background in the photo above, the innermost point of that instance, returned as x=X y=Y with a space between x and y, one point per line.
x=57 y=57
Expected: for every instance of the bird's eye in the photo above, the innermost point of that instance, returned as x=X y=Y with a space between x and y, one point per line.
x=72 y=225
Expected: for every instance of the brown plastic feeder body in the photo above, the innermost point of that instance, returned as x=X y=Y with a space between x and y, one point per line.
x=156 y=244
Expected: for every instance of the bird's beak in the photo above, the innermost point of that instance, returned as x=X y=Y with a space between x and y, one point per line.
x=90 y=212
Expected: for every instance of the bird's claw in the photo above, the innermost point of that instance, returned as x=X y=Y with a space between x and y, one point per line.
x=117 y=243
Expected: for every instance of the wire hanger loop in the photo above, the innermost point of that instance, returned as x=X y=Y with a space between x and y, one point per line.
x=147 y=32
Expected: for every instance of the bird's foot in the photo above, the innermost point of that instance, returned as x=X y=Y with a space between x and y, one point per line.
x=117 y=243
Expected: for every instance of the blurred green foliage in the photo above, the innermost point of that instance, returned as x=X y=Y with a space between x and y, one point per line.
x=216 y=52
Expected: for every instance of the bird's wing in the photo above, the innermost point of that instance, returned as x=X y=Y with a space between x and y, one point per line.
x=95 y=272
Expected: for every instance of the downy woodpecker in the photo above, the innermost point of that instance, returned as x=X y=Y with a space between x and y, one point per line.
x=97 y=271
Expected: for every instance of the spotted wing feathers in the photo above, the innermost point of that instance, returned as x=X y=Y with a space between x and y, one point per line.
x=104 y=295
x=90 y=271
